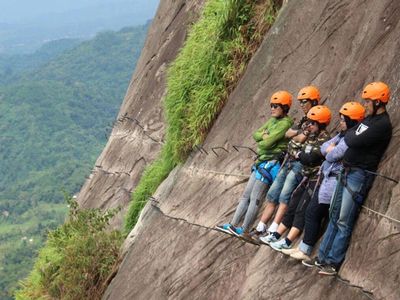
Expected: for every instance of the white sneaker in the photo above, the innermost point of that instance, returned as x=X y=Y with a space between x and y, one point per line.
x=300 y=255
x=280 y=245
x=270 y=238
x=289 y=251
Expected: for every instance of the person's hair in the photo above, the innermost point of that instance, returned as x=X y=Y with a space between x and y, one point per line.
x=285 y=108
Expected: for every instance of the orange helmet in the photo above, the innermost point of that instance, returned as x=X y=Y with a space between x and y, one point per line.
x=320 y=114
x=378 y=91
x=353 y=110
x=309 y=92
x=282 y=97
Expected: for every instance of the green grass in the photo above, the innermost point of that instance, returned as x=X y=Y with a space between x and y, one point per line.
x=77 y=259
x=208 y=67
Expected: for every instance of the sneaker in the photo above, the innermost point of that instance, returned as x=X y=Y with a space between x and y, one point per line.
x=311 y=263
x=270 y=238
x=328 y=270
x=289 y=251
x=236 y=231
x=300 y=255
x=279 y=245
x=224 y=228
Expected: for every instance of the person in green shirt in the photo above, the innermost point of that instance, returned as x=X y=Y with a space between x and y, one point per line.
x=271 y=143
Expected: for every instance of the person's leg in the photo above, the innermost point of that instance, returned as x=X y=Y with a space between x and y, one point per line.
x=348 y=214
x=256 y=199
x=293 y=234
x=286 y=223
x=288 y=217
x=268 y=212
x=315 y=213
x=292 y=181
x=281 y=229
x=280 y=213
x=299 y=216
x=331 y=230
x=244 y=201
x=273 y=194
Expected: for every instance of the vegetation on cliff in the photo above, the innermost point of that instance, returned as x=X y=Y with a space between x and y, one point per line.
x=76 y=260
x=208 y=67
x=56 y=107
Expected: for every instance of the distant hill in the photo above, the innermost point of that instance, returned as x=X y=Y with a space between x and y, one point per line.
x=71 y=21
x=12 y=65
x=55 y=113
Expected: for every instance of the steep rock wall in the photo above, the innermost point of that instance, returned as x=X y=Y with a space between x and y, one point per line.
x=174 y=253
x=137 y=136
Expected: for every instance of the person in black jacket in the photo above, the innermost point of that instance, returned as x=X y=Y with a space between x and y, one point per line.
x=367 y=143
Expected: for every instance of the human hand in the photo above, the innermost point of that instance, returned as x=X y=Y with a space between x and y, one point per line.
x=330 y=148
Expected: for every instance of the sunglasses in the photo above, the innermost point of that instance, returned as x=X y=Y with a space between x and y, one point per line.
x=304 y=102
x=312 y=123
x=275 y=106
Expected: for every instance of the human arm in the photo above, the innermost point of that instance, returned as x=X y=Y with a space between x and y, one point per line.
x=291 y=133
x=300 y=138
x=259 y=133
x=276 y=134
x=311 y=153
x=329 y=145
x=310 y=159
x=337 y=152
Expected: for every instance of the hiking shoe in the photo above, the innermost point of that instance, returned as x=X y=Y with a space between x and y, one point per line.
x=270 y=238
x=279 y=245
x=328 y=270
x=300 y=255
x=311 y=263
x=236 y=231
x=289 y=251
x=224 y=228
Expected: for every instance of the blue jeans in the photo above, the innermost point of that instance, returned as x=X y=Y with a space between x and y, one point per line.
x=343 y=213
x=288 y=179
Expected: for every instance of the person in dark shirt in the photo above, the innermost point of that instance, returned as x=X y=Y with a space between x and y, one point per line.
x=366 y=143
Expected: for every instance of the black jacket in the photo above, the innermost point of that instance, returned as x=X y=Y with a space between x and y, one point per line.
x=367 y=142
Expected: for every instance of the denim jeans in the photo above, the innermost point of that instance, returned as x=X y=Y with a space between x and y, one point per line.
x=284 y=184
x=342 y=216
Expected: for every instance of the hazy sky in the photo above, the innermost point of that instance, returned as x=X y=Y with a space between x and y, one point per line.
x=17 y=11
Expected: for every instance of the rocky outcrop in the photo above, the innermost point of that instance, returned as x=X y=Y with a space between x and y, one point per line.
x=174 y=253
x=137 y=136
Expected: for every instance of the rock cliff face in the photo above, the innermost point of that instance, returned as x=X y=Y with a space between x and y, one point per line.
x=138 y=133
x=173 y=252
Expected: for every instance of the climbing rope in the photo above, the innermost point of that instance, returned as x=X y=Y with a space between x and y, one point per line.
x=218 y=172
x=370 y=210
x=380 y=214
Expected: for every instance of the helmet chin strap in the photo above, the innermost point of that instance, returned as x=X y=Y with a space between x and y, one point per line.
x=376 y=106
